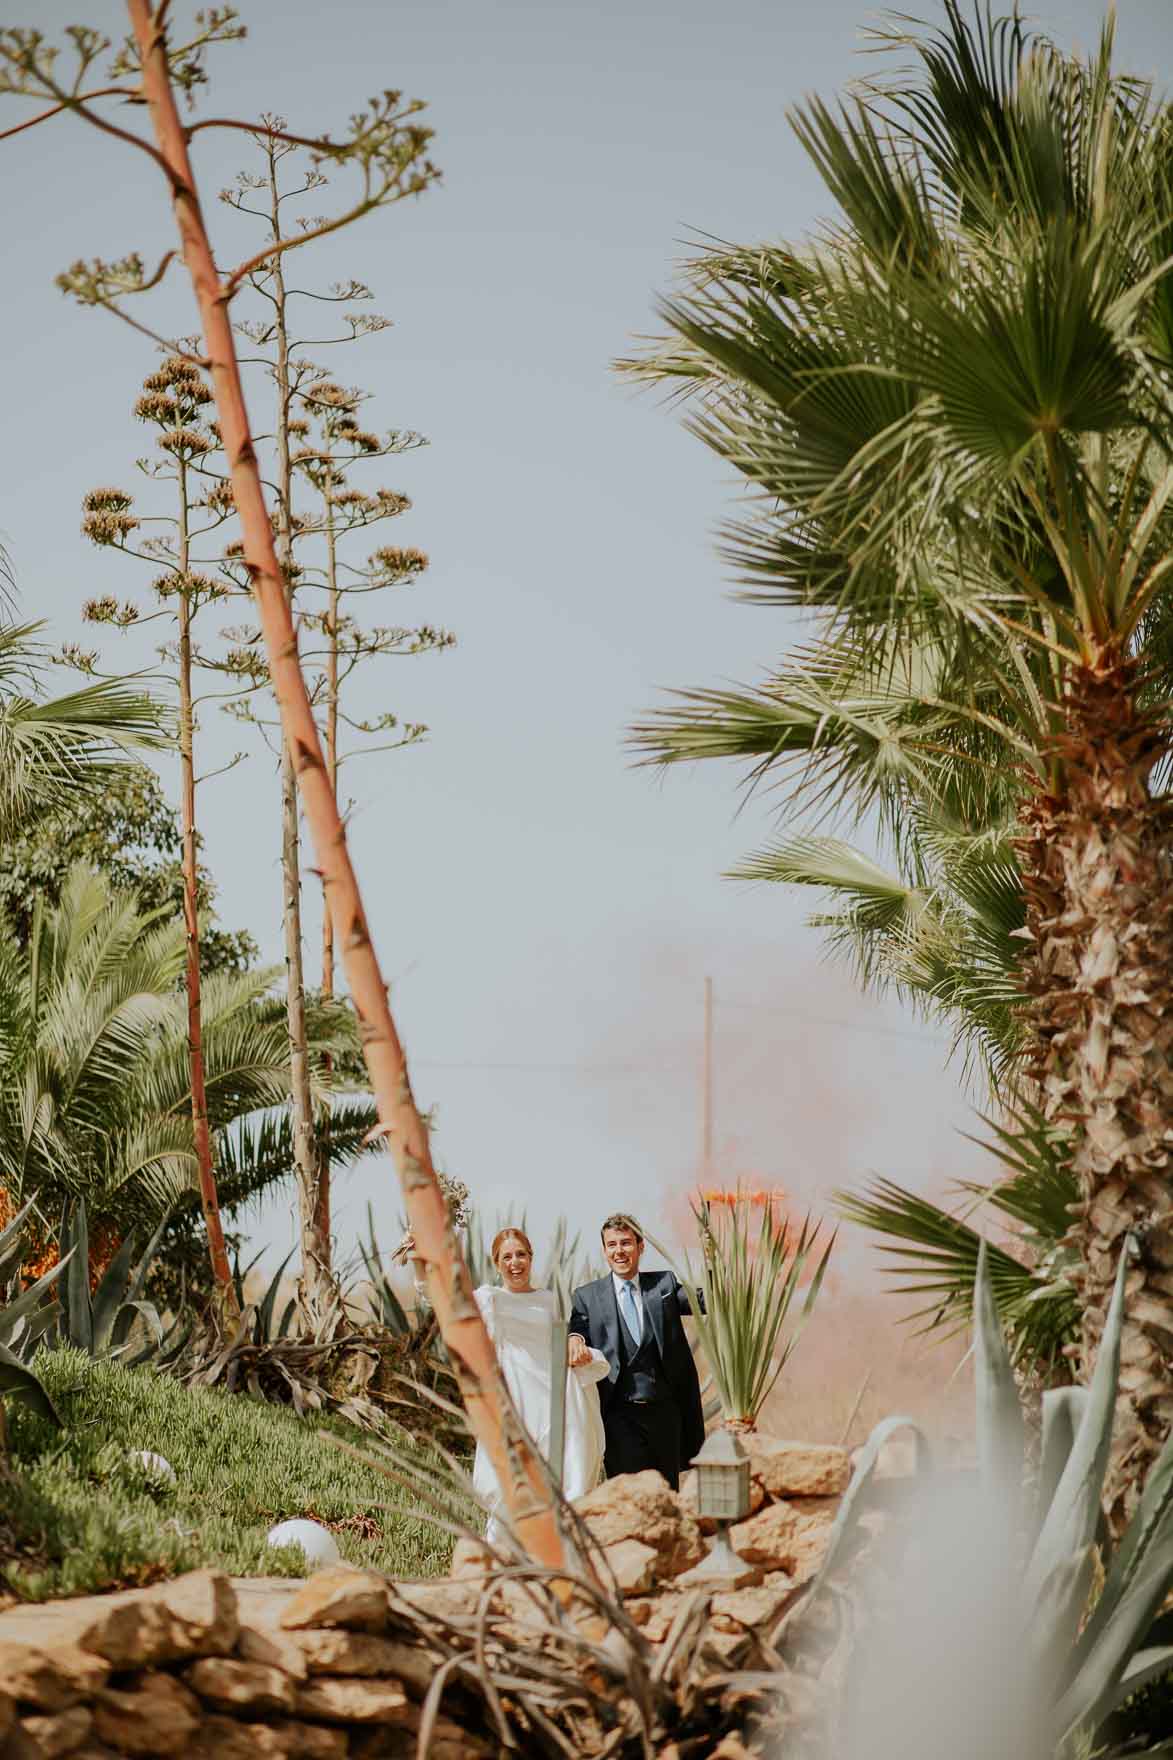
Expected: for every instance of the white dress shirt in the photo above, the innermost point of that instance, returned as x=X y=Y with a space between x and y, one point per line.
x=633 y=1285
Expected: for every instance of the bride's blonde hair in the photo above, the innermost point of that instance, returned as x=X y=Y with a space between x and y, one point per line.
x=510 y=1234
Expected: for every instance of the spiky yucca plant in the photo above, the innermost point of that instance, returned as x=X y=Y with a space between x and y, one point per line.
x=748 y=1287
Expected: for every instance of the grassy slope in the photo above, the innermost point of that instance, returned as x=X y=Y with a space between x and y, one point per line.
x=79 y=1516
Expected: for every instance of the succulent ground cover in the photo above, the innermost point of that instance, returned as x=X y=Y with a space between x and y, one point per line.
x=77 y=1515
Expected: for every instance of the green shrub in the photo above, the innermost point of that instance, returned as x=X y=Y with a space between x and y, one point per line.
x=79 y=1515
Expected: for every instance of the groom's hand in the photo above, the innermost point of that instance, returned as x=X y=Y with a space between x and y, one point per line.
x=577 y=1352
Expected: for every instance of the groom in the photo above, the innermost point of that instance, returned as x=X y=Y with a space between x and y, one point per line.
x=651 y=1399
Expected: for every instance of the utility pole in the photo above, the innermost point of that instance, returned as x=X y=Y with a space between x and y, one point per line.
x=707 y=1089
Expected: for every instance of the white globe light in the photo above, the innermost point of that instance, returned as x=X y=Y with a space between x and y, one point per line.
x=317 y=1543
x=154 y=1465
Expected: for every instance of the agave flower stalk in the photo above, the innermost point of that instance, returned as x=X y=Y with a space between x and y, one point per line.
x=490 y=1411
x=173 y=400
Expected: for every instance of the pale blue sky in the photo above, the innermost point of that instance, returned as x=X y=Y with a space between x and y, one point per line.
x=546 y=912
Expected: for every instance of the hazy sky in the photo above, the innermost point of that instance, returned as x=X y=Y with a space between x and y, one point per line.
x=546 y=912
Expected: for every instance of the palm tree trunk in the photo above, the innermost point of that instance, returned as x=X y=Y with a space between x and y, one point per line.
x=225 y=1289
x=494 y=1422
x=318 y=1294
x=1096 y=857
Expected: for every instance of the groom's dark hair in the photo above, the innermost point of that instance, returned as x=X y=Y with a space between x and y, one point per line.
x=620 y=1220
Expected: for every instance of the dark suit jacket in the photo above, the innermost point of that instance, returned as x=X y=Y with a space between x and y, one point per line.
x=594 y=1314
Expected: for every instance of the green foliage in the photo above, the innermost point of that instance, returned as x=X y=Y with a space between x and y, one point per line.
x=129 y=833
x=21 y=1323
x=113 y=1320
x=61 y=749
x=936 y=1255
x=79 y=1516
x=951 y=411
x=1078 y=1653
x=749 y=1287
x=94 y=1079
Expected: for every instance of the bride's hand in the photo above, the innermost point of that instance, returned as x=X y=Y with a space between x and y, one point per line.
x=577 y=1351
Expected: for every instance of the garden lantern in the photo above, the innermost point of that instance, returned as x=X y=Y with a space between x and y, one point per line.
x=722 y=1496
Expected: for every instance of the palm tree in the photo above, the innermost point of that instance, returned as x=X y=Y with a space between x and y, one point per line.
x=953 y=408
x=95 y=1085
x=55 y=747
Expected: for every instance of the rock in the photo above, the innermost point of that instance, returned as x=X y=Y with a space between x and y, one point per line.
x=449 y=1741
x=633 y=1565
x=61 y=1733
x=445 y=1599
x=50 y=1680
x=194 y=1615
x=273 y=1647
x=7 y=1713
x=230 y=1685
x=469 y=1559
x=798 y=1469
x=655 y=1614
x=641 y=1506
x=158 y=1715
x=723 y=1648
x=785 y=1538
x=352 y=1701
x=751 y=1609
x=338 y=1596
x=361 y=1654
x=222 y=1738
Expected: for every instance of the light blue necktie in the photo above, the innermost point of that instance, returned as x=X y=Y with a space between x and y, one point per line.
x=631 y=1311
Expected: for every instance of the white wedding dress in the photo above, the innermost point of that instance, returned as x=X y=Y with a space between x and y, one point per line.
x=519 y=1326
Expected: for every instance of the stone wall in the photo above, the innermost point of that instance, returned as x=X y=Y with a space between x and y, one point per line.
x=215 y=1669
x=334 y=1666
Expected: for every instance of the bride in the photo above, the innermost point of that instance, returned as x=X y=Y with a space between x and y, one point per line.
x=519 y=1318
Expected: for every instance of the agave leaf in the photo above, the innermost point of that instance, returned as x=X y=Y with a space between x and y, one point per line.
x=20 y=1383
x=1063 y=1408
x=865 y=1465
x=1152 y=1525
x=12 y=1242
x=171 y=1348
x=141 y=1272
x=1145 y=1666
x=125 y=1320
x=999 y=1413
x=269 y=1299
x=287 y=1317
x=30 y=1299
x=1095 y=1690
x=1055 y=1615
x=77 y=1314
x=110 y=1294
x=1070 y=1523
x=31 y=1329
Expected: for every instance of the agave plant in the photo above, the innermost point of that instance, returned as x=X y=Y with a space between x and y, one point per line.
x=113 y=1319
x=24 y=1318
x=748 y=1288
x=1069 y=1630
